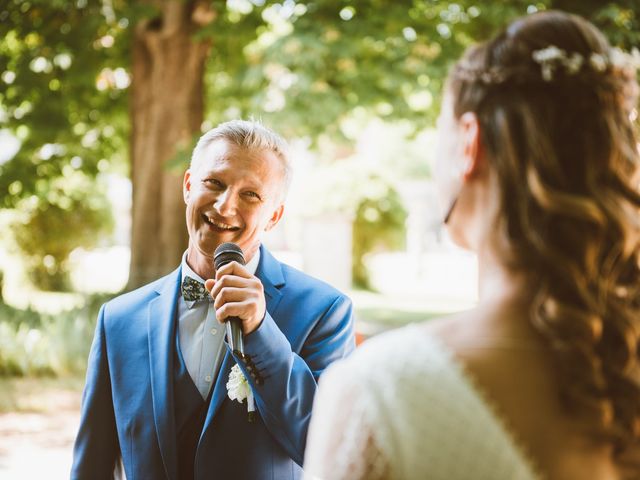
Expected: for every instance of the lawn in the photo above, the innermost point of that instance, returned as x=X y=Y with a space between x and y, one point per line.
x=39 y=395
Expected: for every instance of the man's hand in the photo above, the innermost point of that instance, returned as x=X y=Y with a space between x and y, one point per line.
x=237 y=293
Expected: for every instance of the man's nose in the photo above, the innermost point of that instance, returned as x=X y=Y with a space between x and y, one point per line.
x=226 y=203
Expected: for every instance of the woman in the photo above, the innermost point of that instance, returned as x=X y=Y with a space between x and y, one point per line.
x=540 y=168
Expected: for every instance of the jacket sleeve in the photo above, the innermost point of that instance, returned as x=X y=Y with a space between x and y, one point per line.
x=96 y=453
x=284 y=383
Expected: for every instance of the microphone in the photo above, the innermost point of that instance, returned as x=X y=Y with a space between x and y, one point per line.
x=226 y=253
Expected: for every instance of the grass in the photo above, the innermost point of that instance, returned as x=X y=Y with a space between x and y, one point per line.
x=23 y=394
x=394 y=317
x=41 y=395
x=376 y=312
x=37 y=344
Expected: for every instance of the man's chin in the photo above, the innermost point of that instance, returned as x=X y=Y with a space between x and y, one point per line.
x=213 y=240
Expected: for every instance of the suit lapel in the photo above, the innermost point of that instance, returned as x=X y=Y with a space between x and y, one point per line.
x=219 y=389
x=161 y=325
x=270 y=274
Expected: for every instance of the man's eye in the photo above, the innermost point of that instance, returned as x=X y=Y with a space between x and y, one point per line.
x=214 y=183
x=252 y=195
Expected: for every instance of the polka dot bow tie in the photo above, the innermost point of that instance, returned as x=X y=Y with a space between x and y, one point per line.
x=193 y=290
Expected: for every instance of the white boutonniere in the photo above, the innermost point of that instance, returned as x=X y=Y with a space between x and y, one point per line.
x=238 y=389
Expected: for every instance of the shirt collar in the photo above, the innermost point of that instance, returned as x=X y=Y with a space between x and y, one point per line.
x=252 y=266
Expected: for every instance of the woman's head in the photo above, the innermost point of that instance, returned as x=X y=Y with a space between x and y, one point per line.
x=557 y=159
x=544 y=110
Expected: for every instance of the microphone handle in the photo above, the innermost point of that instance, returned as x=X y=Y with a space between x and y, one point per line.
x=234 y=335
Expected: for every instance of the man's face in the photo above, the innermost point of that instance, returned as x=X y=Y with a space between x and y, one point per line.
x=232 y=195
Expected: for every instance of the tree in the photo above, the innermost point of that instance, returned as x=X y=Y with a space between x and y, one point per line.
x=72 y=70
x=89 y=84
x=166 y=110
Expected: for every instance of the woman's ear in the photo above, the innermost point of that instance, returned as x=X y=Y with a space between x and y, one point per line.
x=471 y=145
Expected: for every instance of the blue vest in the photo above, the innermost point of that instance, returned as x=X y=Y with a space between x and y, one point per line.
x=190 y=414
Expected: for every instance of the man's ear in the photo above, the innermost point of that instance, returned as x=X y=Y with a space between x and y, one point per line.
x=471 y=144
x=275 y=218
x=186 y=185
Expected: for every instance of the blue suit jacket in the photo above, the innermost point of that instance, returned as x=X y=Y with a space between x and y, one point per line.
x=127 y=415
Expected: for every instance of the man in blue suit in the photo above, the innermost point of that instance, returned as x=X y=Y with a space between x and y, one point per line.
x=156 y=403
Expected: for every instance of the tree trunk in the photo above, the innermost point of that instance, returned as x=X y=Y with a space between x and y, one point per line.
x=167 y=94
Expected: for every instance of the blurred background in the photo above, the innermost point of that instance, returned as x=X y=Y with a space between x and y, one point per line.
x=101 y=103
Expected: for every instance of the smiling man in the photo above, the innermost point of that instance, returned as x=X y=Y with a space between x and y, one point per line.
x=156 y=402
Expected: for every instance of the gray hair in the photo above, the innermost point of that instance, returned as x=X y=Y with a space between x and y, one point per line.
x=250 y=135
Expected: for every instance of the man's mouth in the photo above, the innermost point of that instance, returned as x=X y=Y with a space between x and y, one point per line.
x=218 y=225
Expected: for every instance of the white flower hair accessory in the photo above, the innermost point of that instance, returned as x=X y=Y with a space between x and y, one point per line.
x=552 y=58
x=238 y=389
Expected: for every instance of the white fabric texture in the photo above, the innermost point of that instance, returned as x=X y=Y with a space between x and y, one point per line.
x=402 y=407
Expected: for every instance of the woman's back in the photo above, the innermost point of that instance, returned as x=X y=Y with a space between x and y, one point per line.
x=452 y=399
x=514 y=370
x=407 y=410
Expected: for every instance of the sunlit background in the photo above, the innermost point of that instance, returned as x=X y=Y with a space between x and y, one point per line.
x=354 y=85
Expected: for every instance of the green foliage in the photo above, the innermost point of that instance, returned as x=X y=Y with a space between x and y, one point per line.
x=69 y=213
x=316 y=63
x=619 y=20
x=321 y=61
x=62 y=90
x=305 y=67
x=379 y=223
x=370 y=199
x=35 y=344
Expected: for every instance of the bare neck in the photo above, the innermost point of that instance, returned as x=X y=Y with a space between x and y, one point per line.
x=500 y=287
x=202 y=262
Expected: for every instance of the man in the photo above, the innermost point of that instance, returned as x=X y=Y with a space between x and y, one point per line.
x=156 y=398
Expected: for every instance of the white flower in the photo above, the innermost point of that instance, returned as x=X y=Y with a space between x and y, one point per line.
x=549 y=58
x=598 y=62
x=635 y=57
x=547 y=72
x=552 y=58
x=573 y=63
x=237 y=386
x=625 y=61
x=548 y=54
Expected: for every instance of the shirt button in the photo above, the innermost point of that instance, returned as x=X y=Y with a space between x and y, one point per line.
x=213 y=331
x=208 y=378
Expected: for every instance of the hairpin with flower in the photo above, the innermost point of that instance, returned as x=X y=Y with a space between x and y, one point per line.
x=553 y=59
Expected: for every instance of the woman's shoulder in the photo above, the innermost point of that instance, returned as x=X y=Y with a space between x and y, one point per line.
x=395 y=350
x=412 y=343
x=420 y=394
x=409 y=360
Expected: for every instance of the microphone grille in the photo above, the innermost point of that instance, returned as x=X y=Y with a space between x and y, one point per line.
x=226 y=253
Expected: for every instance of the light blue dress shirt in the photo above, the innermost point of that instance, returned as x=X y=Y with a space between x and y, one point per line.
x=201 y=335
